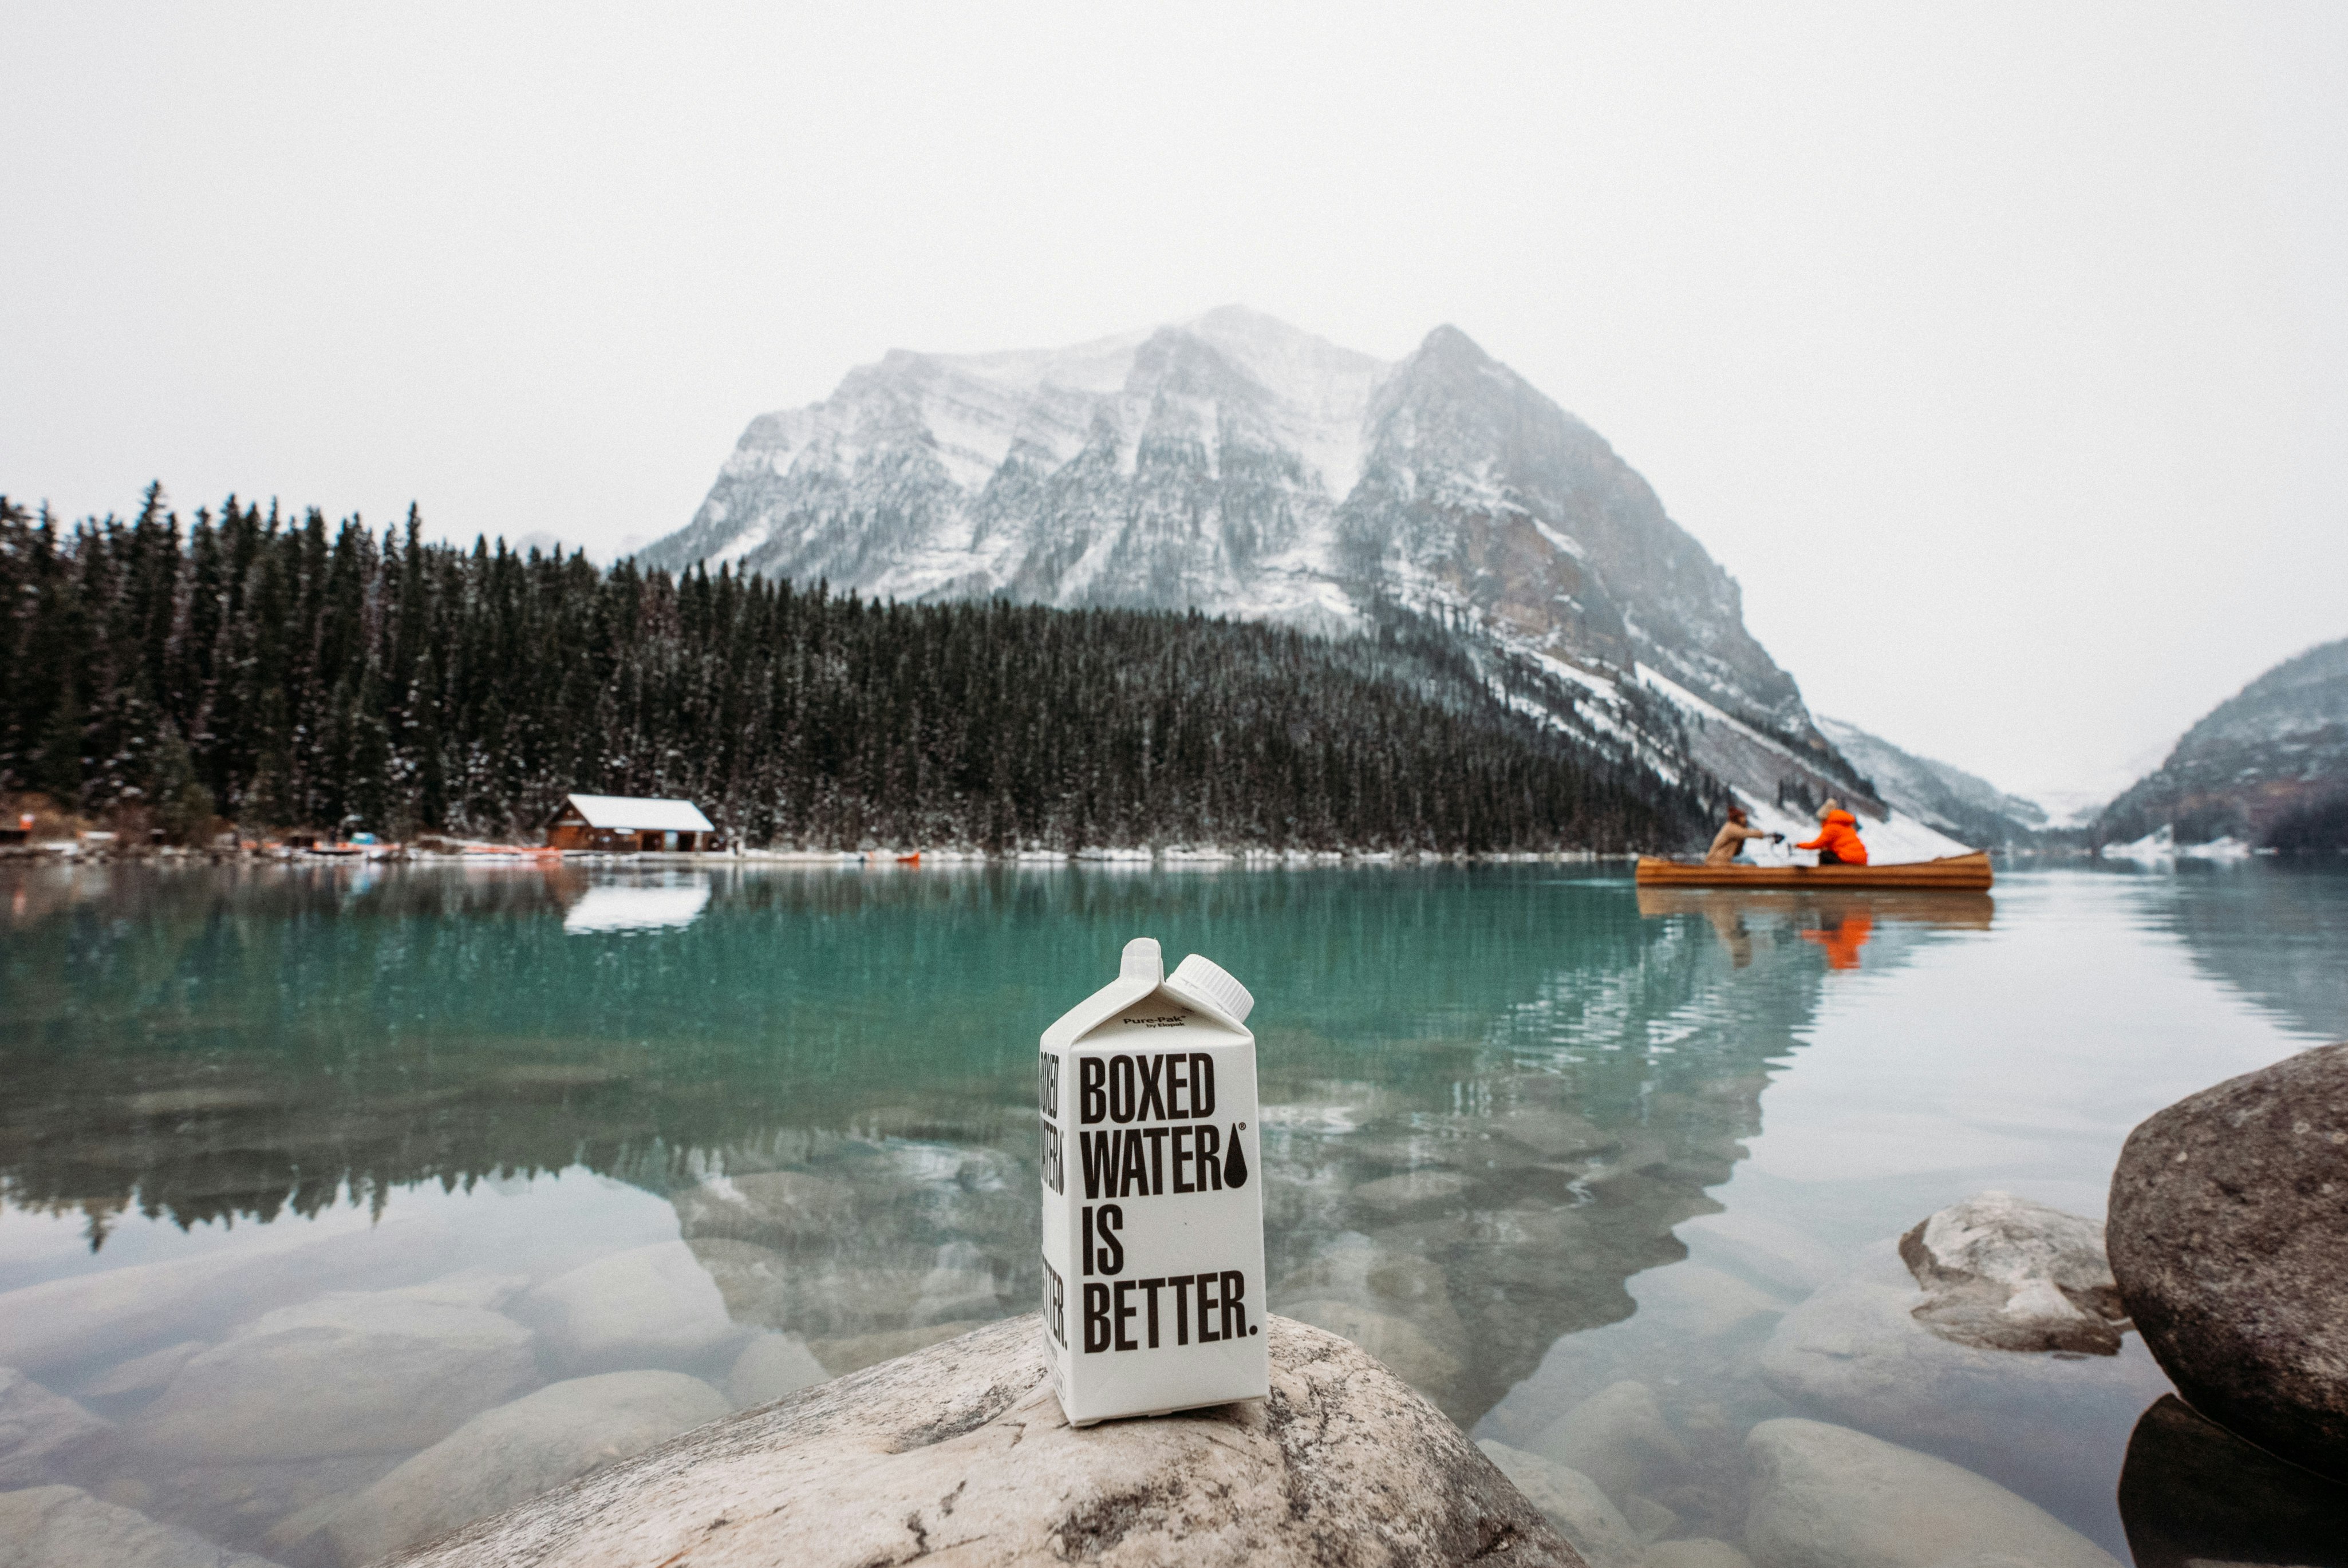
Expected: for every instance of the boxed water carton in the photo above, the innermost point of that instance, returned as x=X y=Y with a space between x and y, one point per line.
x=1153 y=1208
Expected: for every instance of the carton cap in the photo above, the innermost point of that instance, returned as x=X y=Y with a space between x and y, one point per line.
x=1142 y=960
x=1203 y=983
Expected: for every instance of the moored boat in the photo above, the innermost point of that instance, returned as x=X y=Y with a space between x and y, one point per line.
x=1955 y=874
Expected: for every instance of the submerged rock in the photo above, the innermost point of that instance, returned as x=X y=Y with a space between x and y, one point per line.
x=255 y=1507
x=89 y=1318
x=2006 y=1274
x=1619 y=1439
x=2229 y=1225
x=1828 y=1496
x=962 y=1451
x=1392 y=1303
x=516 y=1452
x=2195 y=1493
x=378 y=1372
x=1701 y=1552
x=872 y=1249
x=1395 y=1340
x=1575 y=1506
x=1856 y=1352
x=141 y=1373
x=43 y=1436
x=65 y=1527
x=648 y=1306
x=770 y=1367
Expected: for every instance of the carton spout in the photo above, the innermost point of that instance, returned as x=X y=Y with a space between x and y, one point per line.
x=1204 y=984
x=1143 y=960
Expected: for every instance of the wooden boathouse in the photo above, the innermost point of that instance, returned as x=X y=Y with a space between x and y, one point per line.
x=624 y=824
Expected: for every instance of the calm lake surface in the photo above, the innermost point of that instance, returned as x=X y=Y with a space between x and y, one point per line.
x=1524 y=1138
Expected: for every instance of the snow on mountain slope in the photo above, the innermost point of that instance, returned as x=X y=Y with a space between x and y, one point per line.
x=2267 y=766
x=1947 y=798
x=1239 y=466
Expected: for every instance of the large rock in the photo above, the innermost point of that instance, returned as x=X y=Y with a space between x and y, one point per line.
x=2006 y=1274
x=516 y=1452
x=2229 y=1225
x=648 y=1306
x=1857 y=1353
x=961 y=1451
x=43 y=1436
x=1828 y=1496
x=65 y=1527
x=1574 y=1505
x=355 y=1373
x=2195 y=1493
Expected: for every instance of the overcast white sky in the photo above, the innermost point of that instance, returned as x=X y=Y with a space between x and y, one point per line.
x=2000 y=352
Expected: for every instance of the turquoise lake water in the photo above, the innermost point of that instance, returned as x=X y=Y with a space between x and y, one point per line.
x=1523 y=1138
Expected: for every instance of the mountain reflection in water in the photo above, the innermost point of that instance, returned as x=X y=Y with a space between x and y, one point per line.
x=1490 y=1094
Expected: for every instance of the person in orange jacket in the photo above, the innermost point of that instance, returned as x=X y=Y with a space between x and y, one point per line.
x=1838 y=843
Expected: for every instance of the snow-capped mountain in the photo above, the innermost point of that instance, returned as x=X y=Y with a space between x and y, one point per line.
x=1947 y=798
x=1239 y=466
x=2267 y=766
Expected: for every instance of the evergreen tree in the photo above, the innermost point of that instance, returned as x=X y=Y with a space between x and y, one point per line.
x=294 y=675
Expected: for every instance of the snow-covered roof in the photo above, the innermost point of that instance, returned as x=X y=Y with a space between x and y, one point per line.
x=627 y=814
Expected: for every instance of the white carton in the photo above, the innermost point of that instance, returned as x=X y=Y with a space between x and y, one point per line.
x=1153 y=1197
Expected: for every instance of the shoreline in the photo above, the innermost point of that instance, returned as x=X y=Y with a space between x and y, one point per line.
x=889 y=858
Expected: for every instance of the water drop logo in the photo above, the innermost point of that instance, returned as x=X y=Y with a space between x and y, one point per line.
x=1235 y=1171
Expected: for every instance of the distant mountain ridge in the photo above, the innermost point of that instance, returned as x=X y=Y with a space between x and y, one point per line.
x=1239 y=466
x=2269 y=766
x=1947 y=798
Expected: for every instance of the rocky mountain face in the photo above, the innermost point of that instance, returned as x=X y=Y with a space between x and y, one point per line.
x=2267 y=766
x=1956 y=802
x=1237 y=466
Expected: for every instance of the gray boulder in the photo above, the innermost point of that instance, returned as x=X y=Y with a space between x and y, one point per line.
x=1573 y=1503
x=356 y=1373
x=648 y=1306
x=516 y=1452
x=960 y=1451
x=65 y=1527
x=2006 y=1274
x=2228 y=1232
x=43 y=1436
x=1828 y=1496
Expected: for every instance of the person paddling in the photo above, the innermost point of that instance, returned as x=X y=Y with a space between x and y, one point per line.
x=1838 y=843
x=1732 y=836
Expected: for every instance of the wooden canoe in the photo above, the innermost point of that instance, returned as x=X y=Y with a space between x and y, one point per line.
x=1955 y=874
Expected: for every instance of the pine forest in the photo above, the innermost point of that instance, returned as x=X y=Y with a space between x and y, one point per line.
x=252 y=670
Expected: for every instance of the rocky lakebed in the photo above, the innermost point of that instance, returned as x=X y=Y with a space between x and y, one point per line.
x=638 y=1408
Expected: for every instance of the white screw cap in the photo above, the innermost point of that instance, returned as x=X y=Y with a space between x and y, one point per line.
x=1198 y=979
